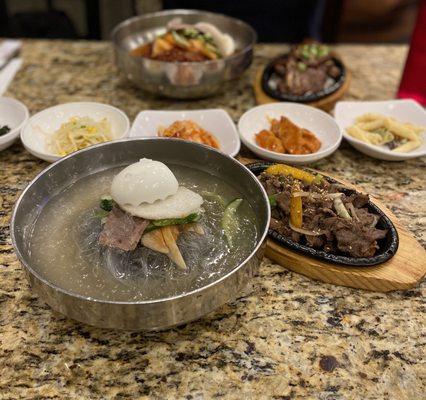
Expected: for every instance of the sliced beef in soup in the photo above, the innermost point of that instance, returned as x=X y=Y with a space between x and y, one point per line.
x=122 y=231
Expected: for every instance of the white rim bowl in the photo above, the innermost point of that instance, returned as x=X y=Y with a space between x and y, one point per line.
x=36 y=131
x=407 y=110
x=14 y=114
x=318 y=122
x=216 y=121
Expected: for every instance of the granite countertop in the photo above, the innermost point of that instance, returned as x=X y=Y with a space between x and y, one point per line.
x=290 y=337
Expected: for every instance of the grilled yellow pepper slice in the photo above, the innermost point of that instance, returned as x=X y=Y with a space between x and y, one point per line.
x=282 y=169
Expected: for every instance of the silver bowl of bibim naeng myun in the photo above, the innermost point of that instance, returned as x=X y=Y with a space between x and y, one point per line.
x=141 y=234
x=183 y=53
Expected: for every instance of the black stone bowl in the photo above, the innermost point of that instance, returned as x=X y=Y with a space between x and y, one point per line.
x=277 y=95
x=388 y=246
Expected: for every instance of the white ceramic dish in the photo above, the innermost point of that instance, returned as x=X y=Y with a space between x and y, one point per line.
x=402 y=110
x=317 y=121
x=14 y=114
x=35 y=133
x=216 y=121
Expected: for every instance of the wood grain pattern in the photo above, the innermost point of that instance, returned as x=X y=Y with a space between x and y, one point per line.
x=404 y=270
x=326 y=103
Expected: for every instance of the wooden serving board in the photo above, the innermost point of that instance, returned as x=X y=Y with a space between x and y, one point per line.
x=404 y=270
x=326 y=103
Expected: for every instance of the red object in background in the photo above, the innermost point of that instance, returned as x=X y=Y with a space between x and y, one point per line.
x=413 y=82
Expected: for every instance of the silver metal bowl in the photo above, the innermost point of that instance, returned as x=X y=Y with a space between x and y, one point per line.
x=138 y=315
x=184 y=80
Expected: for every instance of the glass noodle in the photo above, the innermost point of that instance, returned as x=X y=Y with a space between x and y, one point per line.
x=76 y=262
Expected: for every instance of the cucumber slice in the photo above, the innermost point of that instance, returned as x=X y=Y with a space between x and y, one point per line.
x=190 y=33
x=229 y=220
x=214 y=196
x=159 y=223
x=180 y=40
x=212 y=48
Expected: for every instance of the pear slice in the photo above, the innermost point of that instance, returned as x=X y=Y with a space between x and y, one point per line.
x=193 y=227
x=187 y=228
x=198 y=228
x=154 y=240
x=175 y=231
x=170 y=234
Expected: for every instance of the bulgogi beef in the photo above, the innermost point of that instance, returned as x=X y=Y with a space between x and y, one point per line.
x=330 y=219
x=308 y=68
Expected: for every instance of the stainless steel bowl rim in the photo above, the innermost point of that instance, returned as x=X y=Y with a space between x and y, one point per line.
x=167 y=299
x=188 y=12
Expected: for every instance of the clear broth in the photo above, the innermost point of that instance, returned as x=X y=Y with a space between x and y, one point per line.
x=66 y=251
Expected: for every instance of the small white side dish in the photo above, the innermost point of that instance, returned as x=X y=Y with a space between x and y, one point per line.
x=216 y=121
x=14 y=114
x=318 y=122
x=36 y=132
x=402 y=110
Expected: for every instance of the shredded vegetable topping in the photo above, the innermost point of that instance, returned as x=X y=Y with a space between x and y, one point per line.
x=78 y=133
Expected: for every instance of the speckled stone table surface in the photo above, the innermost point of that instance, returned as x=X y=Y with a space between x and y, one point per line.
x=287 y=338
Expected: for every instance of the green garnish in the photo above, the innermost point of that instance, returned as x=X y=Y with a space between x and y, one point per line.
x=208 y=38
x=301 y=66
x=314 y=50
x=318 y=179
x=159 y=223
x=4 y=129
x=213 y=49
x=272 y=200
x=323 y=51
x=106 y=203
x=180 y=39
x=182 y=36
x=305 y=51
x=189 y=33
x=101 y=214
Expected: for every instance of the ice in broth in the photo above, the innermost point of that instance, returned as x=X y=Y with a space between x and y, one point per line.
x=66 y=249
